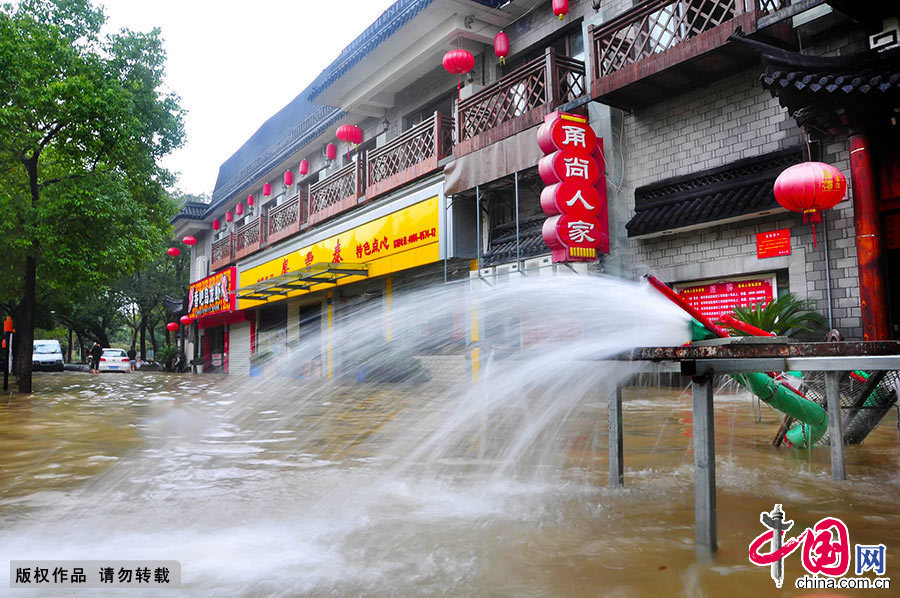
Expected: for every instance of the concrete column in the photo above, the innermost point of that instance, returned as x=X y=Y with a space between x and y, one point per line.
x=616 y=462
x=835 y=433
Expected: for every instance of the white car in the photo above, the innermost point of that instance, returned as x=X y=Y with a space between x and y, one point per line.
x=47 y=355
x=114 y=360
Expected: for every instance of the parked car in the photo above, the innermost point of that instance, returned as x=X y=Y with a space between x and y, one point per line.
x=114 y=360
x=47 y=355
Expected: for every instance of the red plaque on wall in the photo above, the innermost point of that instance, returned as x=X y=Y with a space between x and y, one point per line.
x=773 y=243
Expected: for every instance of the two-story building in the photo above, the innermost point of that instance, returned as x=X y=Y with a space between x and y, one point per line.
x=700 y=105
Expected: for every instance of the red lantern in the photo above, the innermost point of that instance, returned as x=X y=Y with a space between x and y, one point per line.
x=228 y=216
x=186 y=320
x=350 y=134
x=215 y=225
x=189 y=240
x=501 y=46
x=173 y=251
x=810 y=187
x=267 y=189
x=304 y=167
x=560 y=8
x=172 y=326
x=250 y=200
x=239 y=209
x=458 y=61
x=331 y=151
x=288 y=178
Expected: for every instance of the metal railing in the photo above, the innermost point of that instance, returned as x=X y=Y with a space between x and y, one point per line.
x=338 y=192
x=222 y=252
x=285 y=220
x=414 y=153
x=250 y=237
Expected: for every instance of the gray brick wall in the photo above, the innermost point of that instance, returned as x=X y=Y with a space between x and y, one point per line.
x=730 y=120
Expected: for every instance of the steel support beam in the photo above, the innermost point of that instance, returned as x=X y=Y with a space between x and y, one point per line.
x=835 y=434
x=616 y=457
x=704 y=467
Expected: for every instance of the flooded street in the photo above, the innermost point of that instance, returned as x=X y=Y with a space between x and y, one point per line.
x=259 y=490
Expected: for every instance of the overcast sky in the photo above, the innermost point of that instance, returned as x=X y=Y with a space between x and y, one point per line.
x=235 y=64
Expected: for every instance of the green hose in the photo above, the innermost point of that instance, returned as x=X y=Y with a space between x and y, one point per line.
x=813 y=419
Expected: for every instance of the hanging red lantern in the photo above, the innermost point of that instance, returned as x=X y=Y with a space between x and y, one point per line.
x=228 y=216
x=172 y=326
x=350 y=134
x=239 y=209
x=560 y=8
x=215 y=225
x=457 y=62
x=501 y=46
x=304 y=167
x=189 y=240
x=810 y=187
x=288 y=178
x=186 y=320
x=267 y=189
x=173 y=251
x=250 y=200
x=331 y=151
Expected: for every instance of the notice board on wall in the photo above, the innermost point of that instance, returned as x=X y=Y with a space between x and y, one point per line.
x=715 y=299
x=773 y=243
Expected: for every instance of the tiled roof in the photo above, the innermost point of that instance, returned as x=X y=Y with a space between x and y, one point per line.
x=741 y=188
x=192 y=210
x=503 y=245
x=391 y=20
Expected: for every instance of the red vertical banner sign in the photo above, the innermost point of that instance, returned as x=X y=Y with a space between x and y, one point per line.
x=575 y=196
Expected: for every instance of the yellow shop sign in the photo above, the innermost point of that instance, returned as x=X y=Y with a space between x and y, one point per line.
x=403 y=239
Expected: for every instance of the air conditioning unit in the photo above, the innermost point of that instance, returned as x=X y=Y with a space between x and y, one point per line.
x=534 y=266
x=889 y=36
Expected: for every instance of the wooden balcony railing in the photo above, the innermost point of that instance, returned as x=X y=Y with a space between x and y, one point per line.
x=222 y=252
x=250 y=238
x=518 y=100
x=411 y=155
x=659 y=34
x=285 y=220
x=337 y=193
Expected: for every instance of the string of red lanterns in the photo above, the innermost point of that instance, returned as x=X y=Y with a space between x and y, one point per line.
x=215 y=224
x=172 y=326
x=267 y=189
x=501 y=47
x=288 y=178
x=186 y=320
x=173 y=251
x=560 y=8
x=304 y=167
x=458 y=62
x=331 y=151
x=349 y=134
x=189 y=240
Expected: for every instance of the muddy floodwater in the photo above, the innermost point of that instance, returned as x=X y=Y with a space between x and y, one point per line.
x=172 y=467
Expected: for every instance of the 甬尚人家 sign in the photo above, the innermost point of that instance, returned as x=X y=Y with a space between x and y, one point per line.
x=575 y=196
x=213 y=294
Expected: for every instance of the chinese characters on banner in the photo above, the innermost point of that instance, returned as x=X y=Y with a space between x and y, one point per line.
x=713 y=300
x=773 y=243
x=213 y=294
x=575 y=196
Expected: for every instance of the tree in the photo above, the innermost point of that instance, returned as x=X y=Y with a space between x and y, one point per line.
x=83 y=124
x=785 y=316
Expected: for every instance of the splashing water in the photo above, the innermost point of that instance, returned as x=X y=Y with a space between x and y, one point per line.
x=391 y=478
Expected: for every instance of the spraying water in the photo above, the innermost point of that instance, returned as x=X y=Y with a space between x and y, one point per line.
x=390 y=478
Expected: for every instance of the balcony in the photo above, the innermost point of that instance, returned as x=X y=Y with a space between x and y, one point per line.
x=413 y=154
x=285 y=220
x=661 y=48
x=222 y=252
x=250 y=238
x=337 y=193
x=518 y=100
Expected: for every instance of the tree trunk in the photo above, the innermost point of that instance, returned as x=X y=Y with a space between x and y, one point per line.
x=133 y=343
x=70 y=346
x=143 y=328
x=24 y=336
x=168 y=337
x=153 y=341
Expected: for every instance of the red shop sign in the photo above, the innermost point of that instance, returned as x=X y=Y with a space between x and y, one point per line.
x=773 y=243
x=575 y=196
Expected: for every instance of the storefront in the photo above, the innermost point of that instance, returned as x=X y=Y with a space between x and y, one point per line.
x=211 y=305
x=295 y=297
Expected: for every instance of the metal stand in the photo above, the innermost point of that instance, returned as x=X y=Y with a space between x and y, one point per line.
x=704 y=466
x=616 y=463
x=835 y=433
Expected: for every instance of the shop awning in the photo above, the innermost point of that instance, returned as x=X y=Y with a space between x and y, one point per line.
x=301 y=280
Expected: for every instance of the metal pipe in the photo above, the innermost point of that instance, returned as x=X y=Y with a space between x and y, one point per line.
x=517 y=218
x=868 y=242
x=478 y=229
x=730 y=320
x=827 y=271
x=673 y=296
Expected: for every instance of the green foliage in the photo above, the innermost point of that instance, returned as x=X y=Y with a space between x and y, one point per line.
x=166 y=356
x=785 y=316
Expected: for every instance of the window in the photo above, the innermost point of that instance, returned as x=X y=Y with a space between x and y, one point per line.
x=443 y=104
